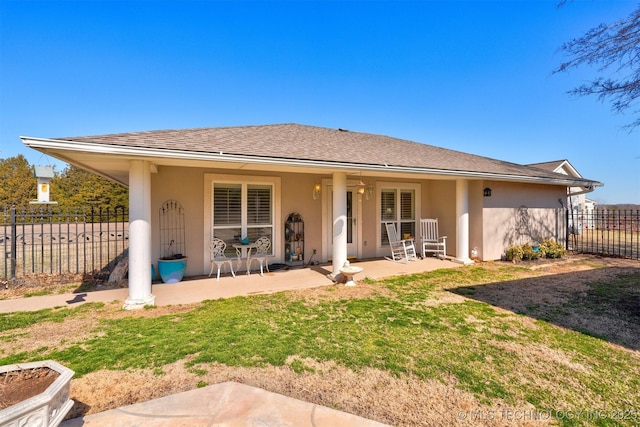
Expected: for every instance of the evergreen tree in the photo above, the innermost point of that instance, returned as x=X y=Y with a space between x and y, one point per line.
x=77 y=187
x=18 y=184
x=72 y=188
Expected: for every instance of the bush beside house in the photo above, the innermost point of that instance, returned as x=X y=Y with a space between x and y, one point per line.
x=547 y=249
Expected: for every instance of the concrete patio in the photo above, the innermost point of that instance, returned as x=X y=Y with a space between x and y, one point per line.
x=195 y=289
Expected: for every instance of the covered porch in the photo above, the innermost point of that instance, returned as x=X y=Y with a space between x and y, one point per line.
x=341 y=223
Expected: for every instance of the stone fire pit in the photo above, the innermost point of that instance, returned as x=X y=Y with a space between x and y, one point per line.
x=47 y=408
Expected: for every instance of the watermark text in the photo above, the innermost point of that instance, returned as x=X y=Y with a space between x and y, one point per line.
x=544 y=415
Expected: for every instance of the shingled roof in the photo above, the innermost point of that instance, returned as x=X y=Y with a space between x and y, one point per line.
x=294 y=142
x=549 y=166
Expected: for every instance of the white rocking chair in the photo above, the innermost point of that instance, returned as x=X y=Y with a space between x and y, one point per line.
x=430 y=240
x=401 y=249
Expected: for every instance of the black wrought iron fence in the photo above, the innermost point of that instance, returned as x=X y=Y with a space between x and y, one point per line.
x=47 y=239
x=608 y=232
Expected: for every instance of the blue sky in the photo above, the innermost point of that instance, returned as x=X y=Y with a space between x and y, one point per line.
x=472 y=76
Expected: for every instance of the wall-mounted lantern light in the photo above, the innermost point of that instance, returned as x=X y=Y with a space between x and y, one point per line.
x=487 y=192
x=369 y=192
x=316 y=192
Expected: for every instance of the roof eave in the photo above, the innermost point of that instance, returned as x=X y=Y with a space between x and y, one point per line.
x=119 y=150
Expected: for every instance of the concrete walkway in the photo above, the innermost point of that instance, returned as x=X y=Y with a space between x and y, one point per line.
x=230 y=403
x=224 y=404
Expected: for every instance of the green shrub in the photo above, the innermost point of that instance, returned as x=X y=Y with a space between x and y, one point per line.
x=547 y=249
x=514 y=253
x=528 y=253
x=552 y=249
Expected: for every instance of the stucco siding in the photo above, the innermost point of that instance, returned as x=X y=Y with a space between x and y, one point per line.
x=508 y=194
x=186 y=186
x=517 y=214
x=368 y=221
x=441 y=204
x=297 y=196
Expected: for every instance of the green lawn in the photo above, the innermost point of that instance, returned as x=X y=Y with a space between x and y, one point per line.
x=427 y=325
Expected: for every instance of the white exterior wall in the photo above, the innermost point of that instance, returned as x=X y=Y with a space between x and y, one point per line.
x=518 y=213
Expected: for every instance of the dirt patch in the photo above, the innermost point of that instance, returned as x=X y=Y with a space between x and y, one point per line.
x=371 y=393
x=44 y=283
x=84 y=327
x=47 y=335
x=336 y=293
x=18 y=386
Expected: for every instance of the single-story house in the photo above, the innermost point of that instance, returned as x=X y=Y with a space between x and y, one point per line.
x=339 y=186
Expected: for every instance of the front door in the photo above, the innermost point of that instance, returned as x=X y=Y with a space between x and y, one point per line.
x=352 y=228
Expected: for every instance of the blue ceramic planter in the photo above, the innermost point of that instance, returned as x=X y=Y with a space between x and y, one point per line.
x=172 y=270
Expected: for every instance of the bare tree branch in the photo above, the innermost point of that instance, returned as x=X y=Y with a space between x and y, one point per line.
x=614 y=50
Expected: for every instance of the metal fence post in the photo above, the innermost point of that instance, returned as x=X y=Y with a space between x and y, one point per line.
x=14 y=244
x=566 y=228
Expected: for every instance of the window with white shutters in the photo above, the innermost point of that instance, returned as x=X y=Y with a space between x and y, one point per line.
x=397 y=205
x=259 y=211
x=227 y=204
x=242 y=210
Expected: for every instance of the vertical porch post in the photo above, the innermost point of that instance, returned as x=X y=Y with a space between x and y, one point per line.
x=339 y=222
x=462 y=226
x=139 y=236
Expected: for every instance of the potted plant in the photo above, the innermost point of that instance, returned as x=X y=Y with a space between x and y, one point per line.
x=36 y=393
x=172 y=266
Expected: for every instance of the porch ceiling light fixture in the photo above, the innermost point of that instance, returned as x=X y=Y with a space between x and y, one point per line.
x=363 y=188
x=316 y=191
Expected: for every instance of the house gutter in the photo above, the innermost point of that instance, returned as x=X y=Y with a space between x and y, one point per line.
x=66 y=145
x=585 y=190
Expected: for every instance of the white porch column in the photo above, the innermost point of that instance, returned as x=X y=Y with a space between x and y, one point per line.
x=339 y=222
x=462 y=226
x=139 y=236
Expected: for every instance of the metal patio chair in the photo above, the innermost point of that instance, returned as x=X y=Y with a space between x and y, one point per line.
x=262 y=253
x=218 y=257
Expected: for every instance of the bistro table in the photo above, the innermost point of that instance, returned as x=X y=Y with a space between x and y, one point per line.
x=244 y=252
